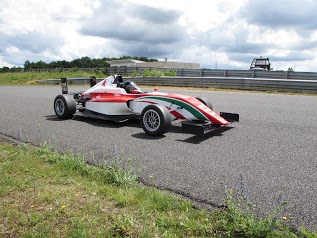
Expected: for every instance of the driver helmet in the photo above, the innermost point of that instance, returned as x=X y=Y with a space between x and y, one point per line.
x=131 y=87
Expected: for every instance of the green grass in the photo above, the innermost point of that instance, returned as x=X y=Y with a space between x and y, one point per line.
x=46 y=194
x=30 y=78
x=155 y=73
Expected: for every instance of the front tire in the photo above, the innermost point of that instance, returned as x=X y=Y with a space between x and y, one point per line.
x=206 y=102
x=155 y=120
x=64 y=106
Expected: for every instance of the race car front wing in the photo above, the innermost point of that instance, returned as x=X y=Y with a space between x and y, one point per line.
x=201 y=128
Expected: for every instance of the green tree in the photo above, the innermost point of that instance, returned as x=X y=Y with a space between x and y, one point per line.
x=4 y=69
x=27 y=65
x=40 y=65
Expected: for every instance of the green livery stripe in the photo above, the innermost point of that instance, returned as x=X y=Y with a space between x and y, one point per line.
x=186 y=106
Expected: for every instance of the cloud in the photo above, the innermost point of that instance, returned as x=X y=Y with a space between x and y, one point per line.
x=35 y=42
x=34 y=30
x=21 y=46
x=282 y=13
x=249 y=34
x=155 y=15
x=294 y=56
x=221 y=33
x=134 y=23
x=145 y=49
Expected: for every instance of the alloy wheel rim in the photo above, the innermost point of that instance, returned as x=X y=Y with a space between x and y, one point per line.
x=59 y=106
x=151 y=120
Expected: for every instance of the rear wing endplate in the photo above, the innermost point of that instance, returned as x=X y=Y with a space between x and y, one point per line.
x=64 y=85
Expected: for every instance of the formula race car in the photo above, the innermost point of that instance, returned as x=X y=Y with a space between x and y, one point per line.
x=116 y=100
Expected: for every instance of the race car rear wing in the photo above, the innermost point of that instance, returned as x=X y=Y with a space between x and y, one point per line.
x=64 y=83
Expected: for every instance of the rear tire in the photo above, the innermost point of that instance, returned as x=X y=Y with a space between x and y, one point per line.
x=65 y=106
x=155 y=120
x=206 y=102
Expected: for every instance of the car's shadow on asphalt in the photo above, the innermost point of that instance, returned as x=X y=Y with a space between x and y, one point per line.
x=199 y=139
x=52 y=118
x=97 y=122
x=175 y=129
x=103 y=123
x=147 y=137
x=192 y=139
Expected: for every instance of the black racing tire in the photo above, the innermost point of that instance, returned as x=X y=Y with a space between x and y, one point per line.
x=65 y=106
x=155 y=120
x=206 y=102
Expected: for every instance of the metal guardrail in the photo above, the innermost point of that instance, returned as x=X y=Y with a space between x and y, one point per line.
x=282 y=85
x=128 y=71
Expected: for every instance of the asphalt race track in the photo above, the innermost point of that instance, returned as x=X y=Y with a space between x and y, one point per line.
x=273 y=147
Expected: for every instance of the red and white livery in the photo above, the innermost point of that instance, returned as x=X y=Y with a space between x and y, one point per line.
x=116 y=100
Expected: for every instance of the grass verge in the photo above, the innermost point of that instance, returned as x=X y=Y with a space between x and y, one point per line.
x=46 y=194
x=30 y=78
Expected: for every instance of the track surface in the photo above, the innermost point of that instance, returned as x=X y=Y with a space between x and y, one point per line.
x=274 y=146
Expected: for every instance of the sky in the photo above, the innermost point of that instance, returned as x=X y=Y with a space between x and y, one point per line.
x=217 y=34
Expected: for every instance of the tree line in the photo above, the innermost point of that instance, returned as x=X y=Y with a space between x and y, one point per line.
x=83 y=62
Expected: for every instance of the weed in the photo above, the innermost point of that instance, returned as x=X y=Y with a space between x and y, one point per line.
x=241 y=218
x=135 y=73
x=157 y=73
x=119 y=169
x=307 y=234
x=121 y=177
x=154 y=72
x=123 y=225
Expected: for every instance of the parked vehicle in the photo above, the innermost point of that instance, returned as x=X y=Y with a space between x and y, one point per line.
x=261 y=64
